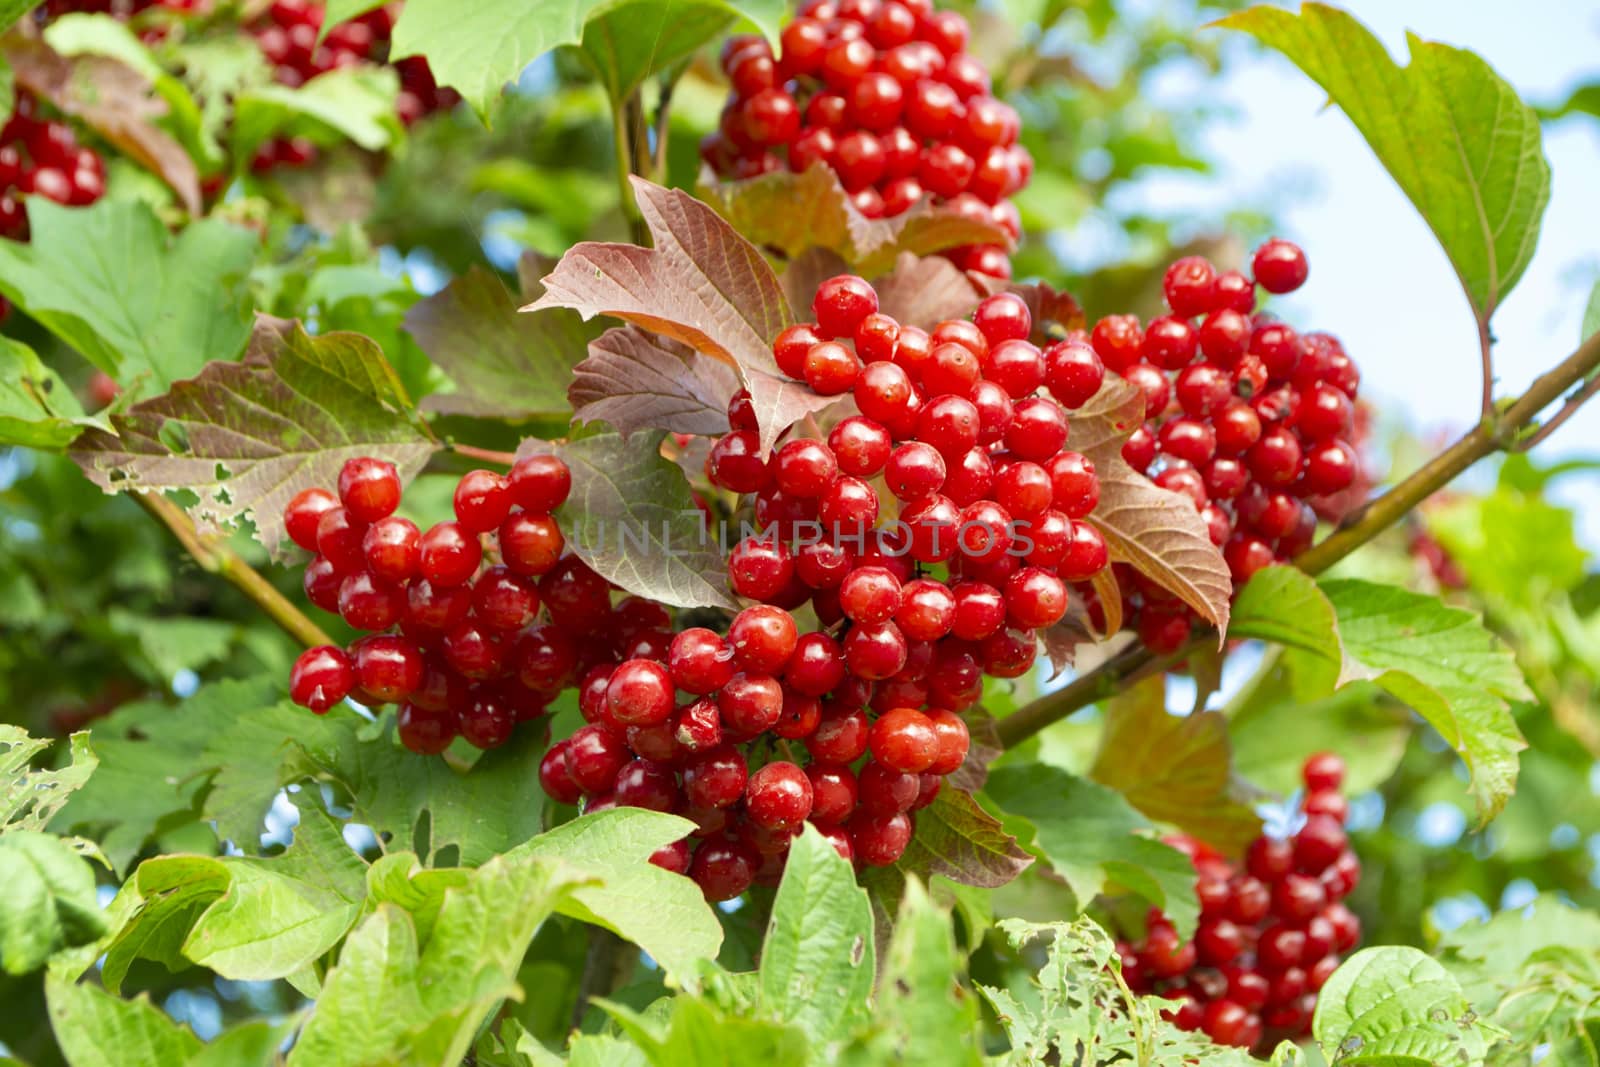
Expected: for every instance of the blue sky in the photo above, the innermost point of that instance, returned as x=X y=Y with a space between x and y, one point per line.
x=1378 y=278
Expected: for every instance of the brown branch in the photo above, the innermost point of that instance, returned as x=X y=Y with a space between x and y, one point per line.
x=488 y=455
x=215 y=557
x=1492 y=434
x=1567 y=410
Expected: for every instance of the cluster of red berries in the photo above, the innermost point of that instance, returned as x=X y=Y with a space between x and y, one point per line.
x=1270 y=933
x=885 y=93
x=463 y=597
x=287 y=36
x=913 y=612
x=42 y=157
x=1246 y=417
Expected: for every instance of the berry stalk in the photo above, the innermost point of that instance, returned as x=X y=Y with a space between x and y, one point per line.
x=1493 y=434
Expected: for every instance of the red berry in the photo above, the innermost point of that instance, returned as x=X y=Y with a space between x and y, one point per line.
x=304 y=512
x=841 y=303
x=1003 y=317
x=1074 y=371
x=760 y=567
x=840 y=736
x=723 y=868
x=750 y=704
x=320 y=678
x=369 y=488
x=482 y=501
x=904 y=740
x=860 y=446
x=1189 y=286
x=426 y=731
x=391 y=547
x=388 y=668
x=778 y=796
x=450 y=556
x=1323 y=770
x=735 y=462
x=639 y=693
x=831 y=368
x=833 y=791
x=370 y=603
x=714 y=779
x=1280 y=266
x=879 y=840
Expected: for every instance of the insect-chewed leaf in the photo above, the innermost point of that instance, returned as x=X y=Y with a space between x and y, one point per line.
x=631 y=518
x=925 y=292
x=1450 y=131
x=504 y=365
x=793 y=212
x=642 y=381
x=702 y=284
x=245 y=437
x=958 y=839
x=37 y=410
x=113 y=99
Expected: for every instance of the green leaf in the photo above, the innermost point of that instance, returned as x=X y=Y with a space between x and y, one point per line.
x=399 y=878
x=246 y=437
x=665 y=914
x=1488 y=958
x=252 y=1043
x=246 y=919
x=702 y=1033
x=29 y=799
x=12 y=10
x=147 y=328
x=1092 y=837
x=152 y=776
x=37 y=410
x=1175 y=769
x=630 y=41
x=96 y=1029
x=632 y=518
x=1397 y=1007
x=1451 y=132
x=393 y=998
x=49 y=901
x=348 y=103
x=1272 y=731
x=923 y=1014
x=1439 y=660
x=503 y=364
x=1517 y=550
x=399 y=794
x=817 y=962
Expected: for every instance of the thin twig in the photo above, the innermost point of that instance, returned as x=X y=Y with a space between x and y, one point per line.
x=1492 y=434
x=663 y=123
x=215 y=557
x=1567 y=410
x=605 y=967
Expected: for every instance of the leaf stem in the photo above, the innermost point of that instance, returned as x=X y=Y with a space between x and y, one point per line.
x=1494 y=433
x=215 y=557
x=1486 y=357
x=628 y=135
x=488 y=455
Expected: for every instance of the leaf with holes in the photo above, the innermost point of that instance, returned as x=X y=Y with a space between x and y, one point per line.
x=246 y=437
x=1450 y=131
x=146 y=327
x=115 y=101
x=631 y=517
x=642 y=381
x=503 y=364
x=702 y=284
x=29 y=798
x=1174 y=769
x=793 y=212
x=1157 y=532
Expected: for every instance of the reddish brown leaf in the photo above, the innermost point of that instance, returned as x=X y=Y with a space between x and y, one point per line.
x=1175 y=769
x=925 y=292
x=1061 y=641
x=246 y=436
x=1110 y=597
x=642 y=381
x=1157 y=532
x=984 y=749
x=702 y=284
x=114 y=100
x=791 y=212
x=958 y=839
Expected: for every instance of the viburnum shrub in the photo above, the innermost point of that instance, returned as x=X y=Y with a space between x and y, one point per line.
x=598 y=620
x=886 y=95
